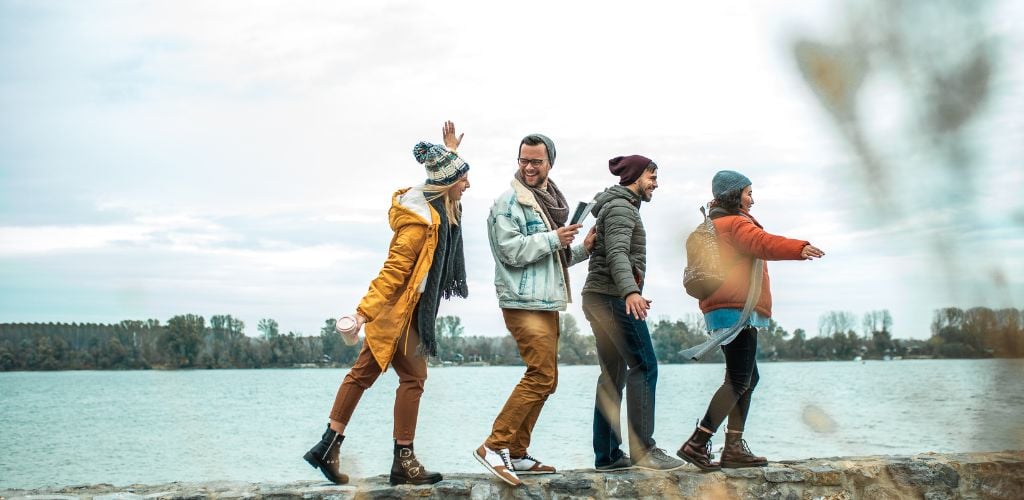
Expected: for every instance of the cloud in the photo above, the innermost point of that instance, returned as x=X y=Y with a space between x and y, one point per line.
x=240 y=157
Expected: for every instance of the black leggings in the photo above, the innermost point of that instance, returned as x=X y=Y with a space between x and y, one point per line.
x=733 y=397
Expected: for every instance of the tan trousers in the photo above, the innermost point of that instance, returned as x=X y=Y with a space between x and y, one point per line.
x=536 y=334
x=412 y=373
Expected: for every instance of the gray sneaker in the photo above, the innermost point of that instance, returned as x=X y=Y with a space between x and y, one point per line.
x=656 y=459
x=623 y=463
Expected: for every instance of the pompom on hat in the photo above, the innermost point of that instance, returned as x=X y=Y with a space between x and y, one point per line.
x=443 y=166
x=726 y=181
x=629 y=168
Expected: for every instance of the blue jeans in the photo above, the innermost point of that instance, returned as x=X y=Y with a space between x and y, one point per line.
x=627 y=358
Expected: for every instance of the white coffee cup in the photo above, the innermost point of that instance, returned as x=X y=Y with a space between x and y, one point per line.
x=348 y=327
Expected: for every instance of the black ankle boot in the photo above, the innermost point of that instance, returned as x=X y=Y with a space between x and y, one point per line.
x=697 y=450
x=406 y=469
x=324 y=456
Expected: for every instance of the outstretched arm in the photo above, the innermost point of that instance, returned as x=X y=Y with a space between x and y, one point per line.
x=750 y=239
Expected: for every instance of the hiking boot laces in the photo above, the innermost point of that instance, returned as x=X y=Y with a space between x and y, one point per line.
x=745 y=448
x=707 y=450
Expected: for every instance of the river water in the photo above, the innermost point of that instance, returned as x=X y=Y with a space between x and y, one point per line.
x=68 y=428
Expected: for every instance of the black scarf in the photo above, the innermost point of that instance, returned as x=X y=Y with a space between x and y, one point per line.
x=447 y=277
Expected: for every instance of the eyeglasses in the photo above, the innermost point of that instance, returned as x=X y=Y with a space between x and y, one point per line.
x=527 y=161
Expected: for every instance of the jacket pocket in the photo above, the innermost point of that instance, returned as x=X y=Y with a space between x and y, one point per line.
x=534 y=226
x=524 y=279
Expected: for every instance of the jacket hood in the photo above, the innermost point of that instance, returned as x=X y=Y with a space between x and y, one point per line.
x=612 y=193
x=409 y=206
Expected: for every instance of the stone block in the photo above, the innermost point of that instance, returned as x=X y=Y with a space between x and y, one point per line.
x=281 y=494
x=783 y=475
x=118 y=496
x=161 y=495
x=574 y=485
x=452 y=488
x=485 y=490
x=772 y=491
x=184 y=494
x=241 y=495
x=38 y=497
x=941 y=495
x=332 y=492
x=745 y=473
x=924 y=475
x=529 y=490
x=621 y=486
x=815 y=494
x=823 y=475
x=880 y=492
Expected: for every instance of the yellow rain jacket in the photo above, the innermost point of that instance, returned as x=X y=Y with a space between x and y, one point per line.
x=389 y=304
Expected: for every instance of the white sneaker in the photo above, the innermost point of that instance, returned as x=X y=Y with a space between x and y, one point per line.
x=498 y=462
x=529 y=465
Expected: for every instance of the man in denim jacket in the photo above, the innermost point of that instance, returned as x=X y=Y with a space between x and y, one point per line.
x=530 y=242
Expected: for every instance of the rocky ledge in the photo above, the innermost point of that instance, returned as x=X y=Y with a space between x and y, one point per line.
x=997 y=475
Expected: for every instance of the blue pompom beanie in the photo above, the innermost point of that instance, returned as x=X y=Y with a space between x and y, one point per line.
x=443 y=166
x=726 y=181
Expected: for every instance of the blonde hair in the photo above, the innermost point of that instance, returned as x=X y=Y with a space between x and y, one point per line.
x=451 y=206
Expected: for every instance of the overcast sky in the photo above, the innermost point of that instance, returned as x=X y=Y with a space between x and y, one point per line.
x=162 y=158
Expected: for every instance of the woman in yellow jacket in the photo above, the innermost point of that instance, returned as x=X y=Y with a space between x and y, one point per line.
x=425 y=263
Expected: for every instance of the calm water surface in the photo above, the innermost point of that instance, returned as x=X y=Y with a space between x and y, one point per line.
x=67 y=428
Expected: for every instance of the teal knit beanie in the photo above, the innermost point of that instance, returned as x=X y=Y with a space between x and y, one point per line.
x=728 y=180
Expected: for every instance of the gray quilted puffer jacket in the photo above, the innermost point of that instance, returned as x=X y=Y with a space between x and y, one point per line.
x=618 y=261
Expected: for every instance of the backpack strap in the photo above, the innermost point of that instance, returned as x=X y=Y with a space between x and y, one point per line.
x=726 y=334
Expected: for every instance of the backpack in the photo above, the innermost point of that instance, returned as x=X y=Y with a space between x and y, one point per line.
x=704 y=272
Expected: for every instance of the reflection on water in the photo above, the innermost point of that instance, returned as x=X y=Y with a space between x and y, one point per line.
x=63 y=428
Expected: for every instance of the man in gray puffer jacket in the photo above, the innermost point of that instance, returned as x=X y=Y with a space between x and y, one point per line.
x=617 y=312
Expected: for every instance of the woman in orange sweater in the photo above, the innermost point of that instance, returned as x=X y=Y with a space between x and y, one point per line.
x=741 y=239
x=425 y=263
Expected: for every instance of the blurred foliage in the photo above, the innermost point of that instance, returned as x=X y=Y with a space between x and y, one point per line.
x=907 y=86
x=188 y=341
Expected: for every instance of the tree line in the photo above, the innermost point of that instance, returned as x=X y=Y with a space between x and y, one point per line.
x=189 y=341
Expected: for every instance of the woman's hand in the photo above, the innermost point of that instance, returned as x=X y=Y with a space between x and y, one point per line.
x=450 y=140
x=811 y=252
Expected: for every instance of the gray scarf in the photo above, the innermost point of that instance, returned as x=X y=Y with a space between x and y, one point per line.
x=553 y=203
x=447 y=277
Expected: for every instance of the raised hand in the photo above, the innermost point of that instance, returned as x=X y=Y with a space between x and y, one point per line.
x=450 y=140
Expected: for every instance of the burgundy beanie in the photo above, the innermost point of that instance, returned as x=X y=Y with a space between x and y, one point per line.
x=629 y=168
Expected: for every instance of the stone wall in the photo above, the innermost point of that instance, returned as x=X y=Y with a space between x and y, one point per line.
x=998 y=475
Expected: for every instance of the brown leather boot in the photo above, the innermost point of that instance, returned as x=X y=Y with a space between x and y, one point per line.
x=697 y=450
x=736 y=454
x=324 y=456
x=407 y=469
